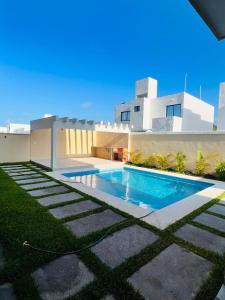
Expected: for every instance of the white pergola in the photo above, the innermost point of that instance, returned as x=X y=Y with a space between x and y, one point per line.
x=54 y=123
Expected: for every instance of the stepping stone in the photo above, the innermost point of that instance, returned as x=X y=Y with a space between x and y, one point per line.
x=62 y=278
x=59 y=198
x=221 y=293
x=73 y=209
x=6 y=292
x=222 y=202
x=12 y=166
x=218 y=209
x=123 y=244
x=38 y=185
x=174 y=274
x=11 y=172
x=22 y=173
x=26 y=176
x=32 y=180
x=108 y=297
x=48 y=191
x=211 y=221
x=93 y=223
x=202 y=238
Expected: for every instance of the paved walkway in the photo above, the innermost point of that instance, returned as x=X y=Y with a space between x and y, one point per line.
x=176 y=270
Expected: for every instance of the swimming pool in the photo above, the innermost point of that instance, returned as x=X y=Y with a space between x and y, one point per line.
x=148 y=190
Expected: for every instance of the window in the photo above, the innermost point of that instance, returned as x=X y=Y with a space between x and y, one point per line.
x=137 y=108
x=125 y=116
x=173 y=110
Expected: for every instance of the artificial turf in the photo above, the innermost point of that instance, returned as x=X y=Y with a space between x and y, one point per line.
x=23 y=219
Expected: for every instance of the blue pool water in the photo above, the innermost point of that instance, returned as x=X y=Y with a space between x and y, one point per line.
x=144 y=189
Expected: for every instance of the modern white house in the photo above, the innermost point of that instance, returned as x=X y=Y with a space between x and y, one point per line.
x=175 y=113
x=16 y=128
x=221 y=117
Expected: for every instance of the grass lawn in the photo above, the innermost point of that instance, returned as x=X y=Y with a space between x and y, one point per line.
x=22 y=218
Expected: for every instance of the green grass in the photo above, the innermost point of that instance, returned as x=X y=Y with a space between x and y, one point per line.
x=22 y=218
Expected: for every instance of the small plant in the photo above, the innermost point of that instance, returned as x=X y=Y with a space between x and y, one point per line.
x=149 y=161
x=136 y=158
x=220 y=170
x=162 y=161
x=180 y=159
x=201 y=163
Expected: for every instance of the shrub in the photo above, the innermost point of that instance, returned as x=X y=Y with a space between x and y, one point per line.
x=220 y=170
x=162 y=161
x=136 y=158
x=180 y=159
x=201 y=163
x=149 y=161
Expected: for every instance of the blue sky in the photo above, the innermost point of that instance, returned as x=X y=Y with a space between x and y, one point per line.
x=80 y=58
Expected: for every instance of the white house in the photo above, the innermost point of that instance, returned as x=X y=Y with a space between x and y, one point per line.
x=177 y=112
x=16 y=128
x=221 y=118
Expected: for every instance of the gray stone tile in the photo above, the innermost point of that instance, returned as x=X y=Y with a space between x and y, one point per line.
x=221 y=293
x=108 y=297
x=73 y=209
x=6 y=292
x=32 y=180
x=23 y=173
x=123 y=244
x=59 y=198
x=26 y=176
x=218 y=209
x=94 y=222
x=11 y=172
x=48 y=191
x=202 y=238
x=38 y=185
x=222 y=202
x=7 y=167
x=174 y=274
x=61 y=279
x=211 y=221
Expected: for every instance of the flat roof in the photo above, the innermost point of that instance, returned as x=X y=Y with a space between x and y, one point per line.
x=213 y=13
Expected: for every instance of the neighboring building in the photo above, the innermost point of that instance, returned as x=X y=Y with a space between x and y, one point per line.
x=221 y=117
x=16 y=128
x=177 y=112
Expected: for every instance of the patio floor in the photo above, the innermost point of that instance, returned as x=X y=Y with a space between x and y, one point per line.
x=80 y=162
x=134 y=260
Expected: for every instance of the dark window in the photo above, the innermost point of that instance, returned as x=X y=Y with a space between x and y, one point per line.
x=125 y=116
x=173 y=110
x=137 y=108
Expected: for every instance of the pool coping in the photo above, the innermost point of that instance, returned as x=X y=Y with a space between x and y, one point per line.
x=161 y=218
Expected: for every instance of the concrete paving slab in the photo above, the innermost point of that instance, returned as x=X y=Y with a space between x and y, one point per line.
x=123 y=244
x=48 y=191
x=38 y=185
x=26 y=176
x=32 y=180
x=108 y=297
x=73 y=209
x=62 y=278
x=59 y=198
x=6 y=292
x=202 y=238
x=174 y=274
x=93 y=223
x=17 y=170
x=23 y=173
x=11 y=166
x=218 y=209
x=222 y=202
x=211 y=221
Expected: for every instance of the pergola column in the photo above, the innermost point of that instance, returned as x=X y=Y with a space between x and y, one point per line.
x=53 y=146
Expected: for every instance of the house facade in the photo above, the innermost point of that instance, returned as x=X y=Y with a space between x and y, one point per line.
x=174 y=113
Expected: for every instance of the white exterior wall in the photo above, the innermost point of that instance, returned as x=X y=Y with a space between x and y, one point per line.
x=221 y=119
x=197 y=114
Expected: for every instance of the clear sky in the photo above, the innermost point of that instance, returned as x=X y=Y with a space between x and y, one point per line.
x=80 y=58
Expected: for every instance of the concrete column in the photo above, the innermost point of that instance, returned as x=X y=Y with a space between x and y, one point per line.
x=53 y=147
